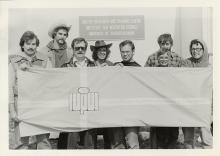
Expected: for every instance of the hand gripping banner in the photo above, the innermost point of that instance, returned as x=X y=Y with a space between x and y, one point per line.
x=75 y=99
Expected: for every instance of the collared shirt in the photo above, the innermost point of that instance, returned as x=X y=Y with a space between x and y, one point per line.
x=15 y=61
x=83 y=63
x=38 y=59
x=175 y=60
x=57 y=56
x=75 y=63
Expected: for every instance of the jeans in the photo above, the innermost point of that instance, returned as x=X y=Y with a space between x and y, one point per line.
x=189 y=133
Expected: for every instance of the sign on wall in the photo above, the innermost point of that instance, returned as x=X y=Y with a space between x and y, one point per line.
x=112 y=27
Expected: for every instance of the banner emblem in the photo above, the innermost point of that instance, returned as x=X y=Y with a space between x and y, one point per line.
x=84 y=100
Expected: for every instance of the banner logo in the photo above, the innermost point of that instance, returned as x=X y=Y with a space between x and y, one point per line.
x=84 y=100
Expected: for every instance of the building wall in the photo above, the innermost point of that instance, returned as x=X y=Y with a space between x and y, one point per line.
x=183 y=24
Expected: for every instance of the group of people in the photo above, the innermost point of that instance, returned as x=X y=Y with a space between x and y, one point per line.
x=56 y=54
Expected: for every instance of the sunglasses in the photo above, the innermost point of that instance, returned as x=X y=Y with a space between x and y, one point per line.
x=78 y=48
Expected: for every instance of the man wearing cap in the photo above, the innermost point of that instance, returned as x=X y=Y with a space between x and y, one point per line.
x=56 y=50
x=100 y=53
x=28 y=57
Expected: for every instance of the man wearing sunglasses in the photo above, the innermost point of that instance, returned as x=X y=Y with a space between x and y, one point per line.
x=84 y=139
x=79 y=59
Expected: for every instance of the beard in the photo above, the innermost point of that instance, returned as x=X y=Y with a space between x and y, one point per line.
x=61 y=41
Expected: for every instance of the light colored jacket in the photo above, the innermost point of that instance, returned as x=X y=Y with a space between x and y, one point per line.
x=50 y=53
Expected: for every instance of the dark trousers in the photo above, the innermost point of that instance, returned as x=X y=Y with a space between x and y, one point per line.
x=106 y=137
x=164 y=137
x=70 y=140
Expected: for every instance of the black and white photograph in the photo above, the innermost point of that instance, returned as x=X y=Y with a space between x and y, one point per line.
x=89 y=78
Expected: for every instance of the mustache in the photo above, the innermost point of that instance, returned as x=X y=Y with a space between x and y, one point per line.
x=31 y=49
x=79 y=52
x=62 y=40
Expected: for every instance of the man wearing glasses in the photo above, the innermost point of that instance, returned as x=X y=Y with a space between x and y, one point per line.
x=84 y=139
x=79 y=46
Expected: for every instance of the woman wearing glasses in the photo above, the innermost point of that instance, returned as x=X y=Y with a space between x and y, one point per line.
x=199 y=58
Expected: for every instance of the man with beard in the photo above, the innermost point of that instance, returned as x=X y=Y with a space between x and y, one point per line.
x=28 y=57
x=57 y=50
x=58 y=54
x=164 y=137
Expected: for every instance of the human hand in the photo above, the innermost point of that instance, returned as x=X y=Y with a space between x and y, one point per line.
x=104 y=64
x=119 y=64
x=23 y=66
x=14 y=116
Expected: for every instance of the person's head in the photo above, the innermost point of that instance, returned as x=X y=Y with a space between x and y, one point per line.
x=101 y=50
x=127 y=49
x=79 y=46
x=59 y=33
x=29 y=43
x=165 y=42
x=196 y=49
x=163 y=59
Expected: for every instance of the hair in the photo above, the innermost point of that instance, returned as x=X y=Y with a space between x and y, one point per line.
x=95 y=53
x=57 y=29
x=78 y=40
x=195 y=41
x=160 y=53
x=129 y=42
x=164 y=38
x=28 y=35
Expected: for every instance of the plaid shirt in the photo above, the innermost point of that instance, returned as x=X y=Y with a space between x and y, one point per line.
x=175 y=60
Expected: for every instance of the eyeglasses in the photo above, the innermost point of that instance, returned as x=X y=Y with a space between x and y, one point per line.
x=197 y=49
x=78 y=48
x=165 y=43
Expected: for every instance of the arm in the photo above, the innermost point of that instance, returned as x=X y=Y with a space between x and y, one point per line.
x=12 y=79
x=118 y=64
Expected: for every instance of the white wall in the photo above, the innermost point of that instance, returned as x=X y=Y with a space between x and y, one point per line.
x=183 y=23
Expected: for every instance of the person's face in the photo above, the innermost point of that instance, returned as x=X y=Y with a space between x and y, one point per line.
x=197 y=51
x=30 y=47
x=80 y=49
x=165 y=46
x=126 y=53
x=102 y=53
x=163 y=60
x=61 y=36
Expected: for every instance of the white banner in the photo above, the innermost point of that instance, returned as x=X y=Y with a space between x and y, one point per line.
x=74 y=99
